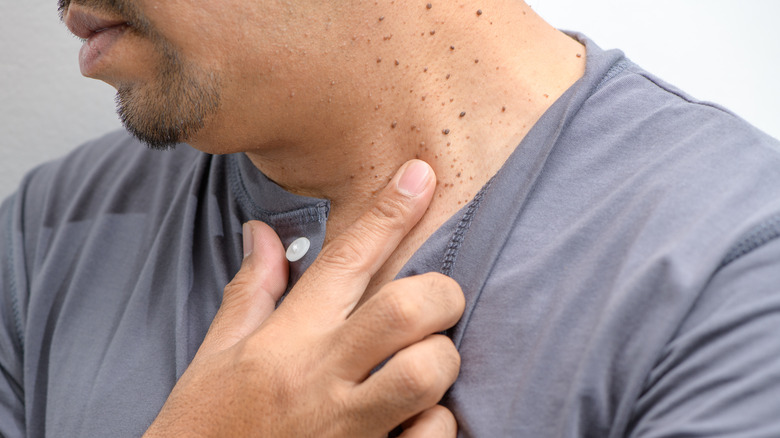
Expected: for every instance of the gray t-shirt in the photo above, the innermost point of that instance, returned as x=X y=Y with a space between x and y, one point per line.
x=622 y=273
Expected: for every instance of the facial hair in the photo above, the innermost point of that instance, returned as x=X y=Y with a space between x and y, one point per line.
x=174 y=105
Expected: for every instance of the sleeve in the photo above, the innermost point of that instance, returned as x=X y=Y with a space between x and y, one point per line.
x=720 y=374
x=12 y=417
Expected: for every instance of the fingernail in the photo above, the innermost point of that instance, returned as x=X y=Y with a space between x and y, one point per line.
x=248 y=241
x=414 y=178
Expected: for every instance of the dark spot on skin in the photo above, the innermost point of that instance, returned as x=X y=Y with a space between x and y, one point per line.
x=425 y=70
x=546 y=96
x=372 y=167
x=381 y=18
x=352 y=177
x=428 y=6
x=445 y=131
x=413 y=127
x=458 y=175
x=394 y=124
x=378 y=60
x=423 y=98
x=452 y=47
x=463 y=114
x=448 y=144
x=479 y=12
x=386 y=37
x=579 y=55
x=447 y=77
x=396 y=62
x=503 y=108
x=476 y=61
x=433 y=32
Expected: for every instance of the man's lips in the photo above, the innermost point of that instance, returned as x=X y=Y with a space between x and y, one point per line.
x=99 y=35
x=84 y=24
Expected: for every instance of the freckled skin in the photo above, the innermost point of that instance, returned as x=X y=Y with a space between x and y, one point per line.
x=339 y=103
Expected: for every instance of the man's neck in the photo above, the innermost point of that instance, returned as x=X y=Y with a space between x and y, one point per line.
x=451 y=86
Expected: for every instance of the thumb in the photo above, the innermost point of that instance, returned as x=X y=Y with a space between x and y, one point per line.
x=252 y=294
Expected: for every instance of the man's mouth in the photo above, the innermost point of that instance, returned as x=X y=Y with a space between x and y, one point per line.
x=99 y=35
x=85 y=25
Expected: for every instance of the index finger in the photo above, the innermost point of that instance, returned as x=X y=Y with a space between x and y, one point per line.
x=335 y=281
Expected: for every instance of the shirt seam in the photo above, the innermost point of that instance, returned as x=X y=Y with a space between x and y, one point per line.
x=668 y=88
x=455 y=243
x=613 y=71
x=13 y=284
x=755 y=238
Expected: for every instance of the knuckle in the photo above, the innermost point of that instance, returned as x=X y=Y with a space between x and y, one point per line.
x=401 y=310
x=450 y=358
x=236 y=285
x=417 y=380
x=447 y=291
x=389 y=213
x=344 y=252
x=445 y=422
x=236 y=293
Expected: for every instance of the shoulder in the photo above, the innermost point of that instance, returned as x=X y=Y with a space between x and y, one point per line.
x=112 y=169
x=682 y=166
x=113 y=157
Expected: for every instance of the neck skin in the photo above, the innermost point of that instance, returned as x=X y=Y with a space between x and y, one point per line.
x=507 y=67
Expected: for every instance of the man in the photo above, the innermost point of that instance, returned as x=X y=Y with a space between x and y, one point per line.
x=615 y=240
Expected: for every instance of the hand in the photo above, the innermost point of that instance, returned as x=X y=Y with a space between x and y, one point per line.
x=305 y=369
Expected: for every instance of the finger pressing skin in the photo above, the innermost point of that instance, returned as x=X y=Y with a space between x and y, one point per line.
x=436 y=422
x=413 y=380
x=346 y=264
x=252 y=294
x=401 y=313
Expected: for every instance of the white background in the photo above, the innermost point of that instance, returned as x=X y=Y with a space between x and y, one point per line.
x=723 y=51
